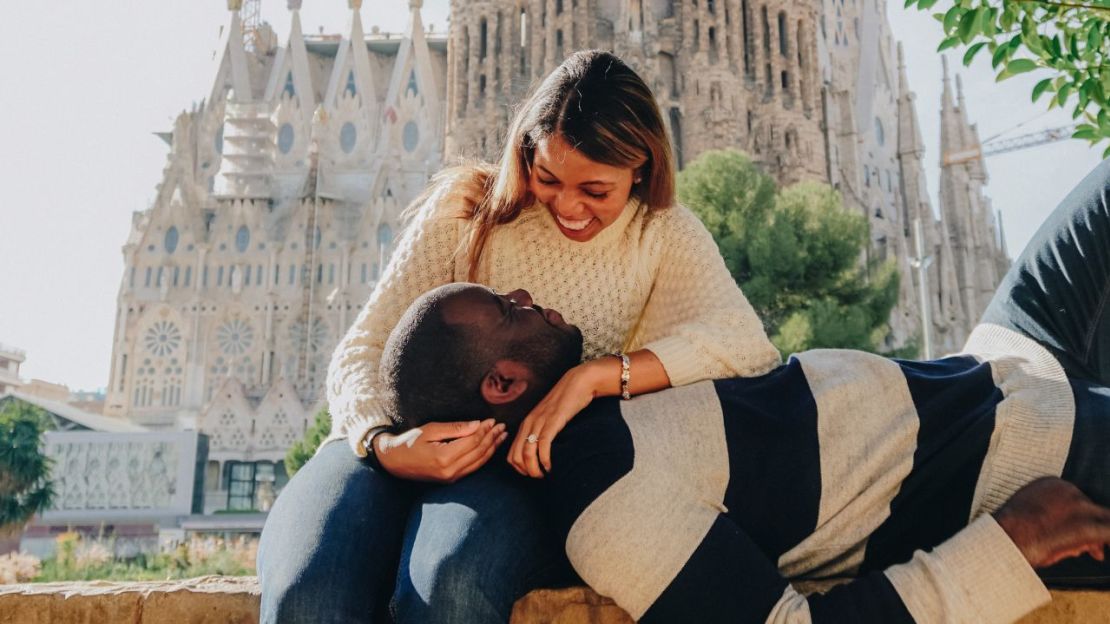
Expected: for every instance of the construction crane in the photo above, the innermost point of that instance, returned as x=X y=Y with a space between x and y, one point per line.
x=993 y=146
x=251 y=15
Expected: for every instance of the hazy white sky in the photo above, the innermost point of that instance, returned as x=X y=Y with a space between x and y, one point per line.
x=87 y=83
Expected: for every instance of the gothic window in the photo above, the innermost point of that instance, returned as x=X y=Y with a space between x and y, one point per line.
x=766 y=31
x=285 y=138
x=158 y=279
x=745 y=20
x=292 y=274
x=176 y=274
x=880 y=136
x=331 y=273
x=188 y=276
x=559 y=45
x=385 y=241
x=220 y=276
x=410 y=136
x=171 y=384
x=258 y=276
x=712 y=6
x=162 y=338
x=676 y=135
x=558 y=7
x=235 y=337
x=131 y=278
x=712 y=44
x=364 y=276
x=242 y=238
x=412 y=83
x=348 y=136
x=289 y=90
x=171 y=239
x=219 y=140
x=317 y=235
x=149 y=271
x=782 y=34
x=247 y=276
x=866 y=176
x=483 y=28
x=351 y=88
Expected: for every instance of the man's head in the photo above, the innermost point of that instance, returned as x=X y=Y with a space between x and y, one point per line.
x=464 y=352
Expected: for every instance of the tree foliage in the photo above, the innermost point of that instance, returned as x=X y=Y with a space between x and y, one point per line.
x=1066 y=41
x=25 y=487
x=795 y=253
x=303 y=449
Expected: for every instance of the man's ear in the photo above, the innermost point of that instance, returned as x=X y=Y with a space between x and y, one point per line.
x=505 y=381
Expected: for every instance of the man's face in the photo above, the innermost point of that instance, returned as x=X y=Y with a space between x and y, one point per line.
x=511 y=326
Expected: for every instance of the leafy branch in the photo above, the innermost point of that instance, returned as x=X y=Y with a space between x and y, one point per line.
x=1067 y=41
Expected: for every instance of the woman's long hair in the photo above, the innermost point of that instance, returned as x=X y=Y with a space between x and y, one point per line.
x=599 y=106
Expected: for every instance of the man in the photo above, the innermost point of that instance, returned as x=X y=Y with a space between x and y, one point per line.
x=694 y=504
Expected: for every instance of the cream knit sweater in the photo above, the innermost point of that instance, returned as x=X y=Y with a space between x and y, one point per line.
x=652 y=280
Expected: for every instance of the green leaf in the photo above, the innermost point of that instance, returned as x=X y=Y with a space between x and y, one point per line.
x=925 y=5
x=909 y=3
x=1106 y=153
x=1029 y=35
x=1085 y=132
x=1073 y=46
x=969 y=26
x=1062 y=94
x=948 y=43
x=972 y=51
x=1020 y=66
x=1001 y=53
x=1007 y=19
x=1041 y=87
x=951 y=18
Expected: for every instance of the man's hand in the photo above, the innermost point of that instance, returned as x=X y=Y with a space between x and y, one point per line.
x=1051 y=520
x=439 y=452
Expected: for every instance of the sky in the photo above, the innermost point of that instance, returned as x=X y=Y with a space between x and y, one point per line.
x=88 y=83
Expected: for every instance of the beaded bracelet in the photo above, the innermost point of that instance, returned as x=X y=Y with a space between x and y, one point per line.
x=626 y=374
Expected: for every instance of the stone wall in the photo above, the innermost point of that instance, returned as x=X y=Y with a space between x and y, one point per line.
x=235 y=600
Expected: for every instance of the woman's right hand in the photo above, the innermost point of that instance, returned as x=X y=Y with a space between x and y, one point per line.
x=439 y=452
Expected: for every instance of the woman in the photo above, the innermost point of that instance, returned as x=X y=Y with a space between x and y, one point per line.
x=580 y=212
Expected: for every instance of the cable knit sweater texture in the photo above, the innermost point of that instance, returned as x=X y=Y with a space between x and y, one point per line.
x=652 y=280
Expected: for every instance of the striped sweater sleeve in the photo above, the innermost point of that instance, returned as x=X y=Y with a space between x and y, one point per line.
x=423 y=259
x=976 y=577
x=696 y=320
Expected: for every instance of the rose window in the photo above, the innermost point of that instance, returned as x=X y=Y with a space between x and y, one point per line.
x=235 y=337
x=162 y=338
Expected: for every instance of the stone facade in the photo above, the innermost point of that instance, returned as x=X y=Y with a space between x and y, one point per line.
x=283 y=189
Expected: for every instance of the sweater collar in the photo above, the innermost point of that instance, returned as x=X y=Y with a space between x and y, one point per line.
x=605 y=236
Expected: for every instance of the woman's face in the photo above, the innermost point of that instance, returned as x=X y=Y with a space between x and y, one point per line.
x=584 y=196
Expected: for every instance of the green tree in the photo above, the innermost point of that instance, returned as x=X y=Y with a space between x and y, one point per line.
x=1066 y=41
x=25 y=487
x=795 y=252
x=303 y=449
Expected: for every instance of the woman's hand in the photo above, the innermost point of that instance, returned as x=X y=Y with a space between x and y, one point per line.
x=439 y=452
x=569 y=396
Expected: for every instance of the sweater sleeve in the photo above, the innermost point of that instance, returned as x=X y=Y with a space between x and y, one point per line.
x=696 y=320
x=423 y=259
x=977 y=576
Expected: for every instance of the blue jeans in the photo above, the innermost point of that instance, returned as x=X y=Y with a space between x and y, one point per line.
x=347 y=542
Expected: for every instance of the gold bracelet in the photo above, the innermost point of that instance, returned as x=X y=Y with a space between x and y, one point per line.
x=626 y=374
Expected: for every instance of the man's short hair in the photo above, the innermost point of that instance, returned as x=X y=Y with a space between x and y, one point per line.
x=433 y=369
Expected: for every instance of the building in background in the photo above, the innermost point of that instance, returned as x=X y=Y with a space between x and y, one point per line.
x=10 y=359
x=282 y=190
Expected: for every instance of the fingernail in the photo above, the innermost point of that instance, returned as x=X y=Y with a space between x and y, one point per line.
x=501 y=438
x=501 y=427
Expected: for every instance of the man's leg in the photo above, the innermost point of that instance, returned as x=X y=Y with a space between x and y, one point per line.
x=329 y=550
x=474 y=547
x=1058 y=290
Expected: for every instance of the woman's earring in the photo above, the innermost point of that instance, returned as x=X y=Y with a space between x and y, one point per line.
x=637 y=180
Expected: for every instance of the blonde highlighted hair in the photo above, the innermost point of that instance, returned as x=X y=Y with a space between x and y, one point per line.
x=596 y=103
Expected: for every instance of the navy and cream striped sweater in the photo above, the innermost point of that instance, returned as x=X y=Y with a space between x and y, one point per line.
x=698 y=502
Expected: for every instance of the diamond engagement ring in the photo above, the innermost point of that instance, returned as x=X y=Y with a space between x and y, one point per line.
x=532 y=439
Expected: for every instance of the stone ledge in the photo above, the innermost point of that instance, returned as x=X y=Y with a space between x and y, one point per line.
x=235 y=600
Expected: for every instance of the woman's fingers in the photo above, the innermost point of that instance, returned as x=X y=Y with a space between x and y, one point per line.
x=486 y=455
x=444 y=431
x=487 y=442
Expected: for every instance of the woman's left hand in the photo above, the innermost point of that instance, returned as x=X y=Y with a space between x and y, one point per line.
x=570 y=395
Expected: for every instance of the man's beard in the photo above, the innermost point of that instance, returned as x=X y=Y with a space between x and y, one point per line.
x=550 y=355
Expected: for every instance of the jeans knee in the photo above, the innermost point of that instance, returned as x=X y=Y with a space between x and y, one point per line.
x=453 y=591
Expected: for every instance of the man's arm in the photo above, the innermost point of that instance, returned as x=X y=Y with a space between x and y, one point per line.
x=982 y=574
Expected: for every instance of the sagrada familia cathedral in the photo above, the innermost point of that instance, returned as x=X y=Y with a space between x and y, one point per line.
x=282 y=191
